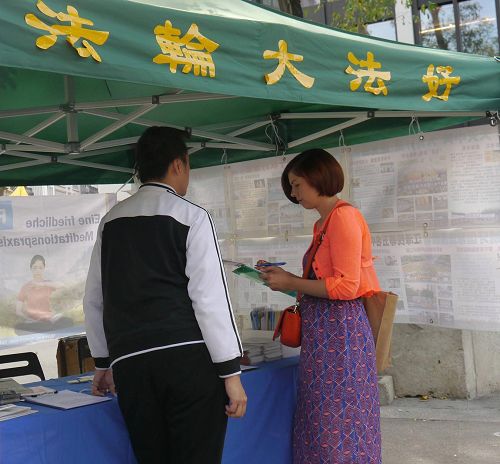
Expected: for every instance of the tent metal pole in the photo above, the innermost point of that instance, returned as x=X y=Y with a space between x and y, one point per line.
x=29 y=111
x=237 y=132
x=44 y=124
x=35 y=130
x=57 y=147
x=231 y=139
x=44 y=159
x=430 y=114
x=382 y=114
x=88 y=154
x=24 y=164
x=116 y=125
x=160 y=100
x=194 y=131
x=229 y=146
x=71 y=114
x=111 y=144
x=10 y=147
x=329 y=130
x=105 y=167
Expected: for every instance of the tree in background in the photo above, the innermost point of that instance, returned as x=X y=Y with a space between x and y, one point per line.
x=477 y=36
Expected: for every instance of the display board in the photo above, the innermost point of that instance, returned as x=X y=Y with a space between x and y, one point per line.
x=433 y=205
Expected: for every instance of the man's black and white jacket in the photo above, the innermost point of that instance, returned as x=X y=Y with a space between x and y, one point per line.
x=156 y=281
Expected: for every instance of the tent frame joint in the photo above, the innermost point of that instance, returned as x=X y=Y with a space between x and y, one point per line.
x=72 y=148
x=68 y=108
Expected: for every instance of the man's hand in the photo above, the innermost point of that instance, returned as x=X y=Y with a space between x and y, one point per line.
x=237 y=397
x=103 y=382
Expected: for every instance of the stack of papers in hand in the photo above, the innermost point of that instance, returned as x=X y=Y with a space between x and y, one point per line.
x=11 y=411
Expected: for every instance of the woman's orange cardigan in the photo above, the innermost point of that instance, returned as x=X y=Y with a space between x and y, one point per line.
x=344 y=258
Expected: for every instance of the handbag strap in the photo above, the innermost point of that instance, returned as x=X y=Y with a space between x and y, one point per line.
x=316 y=243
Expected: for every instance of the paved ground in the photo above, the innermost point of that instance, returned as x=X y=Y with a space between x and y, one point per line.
x=442 y=431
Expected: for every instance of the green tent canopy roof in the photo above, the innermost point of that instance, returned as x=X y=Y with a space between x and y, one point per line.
x=81 y=79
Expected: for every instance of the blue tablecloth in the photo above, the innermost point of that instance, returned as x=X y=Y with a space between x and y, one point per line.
x=96 y=434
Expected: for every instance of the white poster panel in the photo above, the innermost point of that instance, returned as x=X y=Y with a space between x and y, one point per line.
x=45 y=248
x=433 y=206
x=450 y=278
x=450 y=178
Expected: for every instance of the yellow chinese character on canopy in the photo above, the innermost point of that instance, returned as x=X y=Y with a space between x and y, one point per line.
x=284 y=61
x=177 y=50
x=434 y=82
x=74 y=32
x=371 y=65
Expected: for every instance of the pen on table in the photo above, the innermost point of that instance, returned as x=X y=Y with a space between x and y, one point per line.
x=44 y=393
x=270 y=264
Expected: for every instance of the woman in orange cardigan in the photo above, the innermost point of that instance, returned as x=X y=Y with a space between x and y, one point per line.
x=337 y=419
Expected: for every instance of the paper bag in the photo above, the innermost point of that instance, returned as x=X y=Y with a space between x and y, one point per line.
x=381 y=309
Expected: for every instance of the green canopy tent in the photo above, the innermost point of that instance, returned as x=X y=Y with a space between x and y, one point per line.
x=81 y=79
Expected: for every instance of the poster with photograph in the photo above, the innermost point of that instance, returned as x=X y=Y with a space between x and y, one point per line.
x=45 y=248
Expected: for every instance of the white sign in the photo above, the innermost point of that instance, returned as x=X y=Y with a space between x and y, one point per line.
x=45 y=248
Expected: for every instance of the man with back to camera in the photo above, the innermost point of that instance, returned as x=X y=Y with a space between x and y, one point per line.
x=158 y=316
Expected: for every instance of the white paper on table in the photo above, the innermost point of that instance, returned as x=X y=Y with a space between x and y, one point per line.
x=67 y=399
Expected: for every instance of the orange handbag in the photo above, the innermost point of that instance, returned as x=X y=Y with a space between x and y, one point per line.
x=288 y=327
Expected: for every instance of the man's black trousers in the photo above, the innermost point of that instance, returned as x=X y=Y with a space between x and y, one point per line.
x=173 y=404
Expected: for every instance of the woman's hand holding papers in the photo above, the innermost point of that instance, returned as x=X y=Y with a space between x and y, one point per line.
x=237 y=397
x=103 y=382
x=277 y=278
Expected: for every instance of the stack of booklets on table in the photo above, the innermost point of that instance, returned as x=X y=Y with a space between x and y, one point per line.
x=253 y=353
x=11 y=411
x=12 y=392
x=257 y=352
x=272 y=351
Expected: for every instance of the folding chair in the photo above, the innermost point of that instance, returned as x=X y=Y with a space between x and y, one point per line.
x=33 y=367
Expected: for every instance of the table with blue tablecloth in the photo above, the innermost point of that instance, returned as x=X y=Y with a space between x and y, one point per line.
x=96 y=434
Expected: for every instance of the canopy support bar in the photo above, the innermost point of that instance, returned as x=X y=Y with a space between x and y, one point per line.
x=43 y=159
x=71 y=114
x=329 y=130
x=237 y=132
x=382 y=114
x=25 y=164
x=196 y=132
x=160 y=100
x=122 y=121
x=57 y=147
x=35 y=130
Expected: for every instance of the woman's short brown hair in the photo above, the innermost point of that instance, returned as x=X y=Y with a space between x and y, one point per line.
x=320 y=169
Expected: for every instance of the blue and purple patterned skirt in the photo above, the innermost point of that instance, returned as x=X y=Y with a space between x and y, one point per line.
x=337 y=420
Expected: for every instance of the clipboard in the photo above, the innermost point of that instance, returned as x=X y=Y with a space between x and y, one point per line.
x=253 y=274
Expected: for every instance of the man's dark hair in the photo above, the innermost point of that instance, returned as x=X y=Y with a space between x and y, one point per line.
x=320 y=169
x=156 y=149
